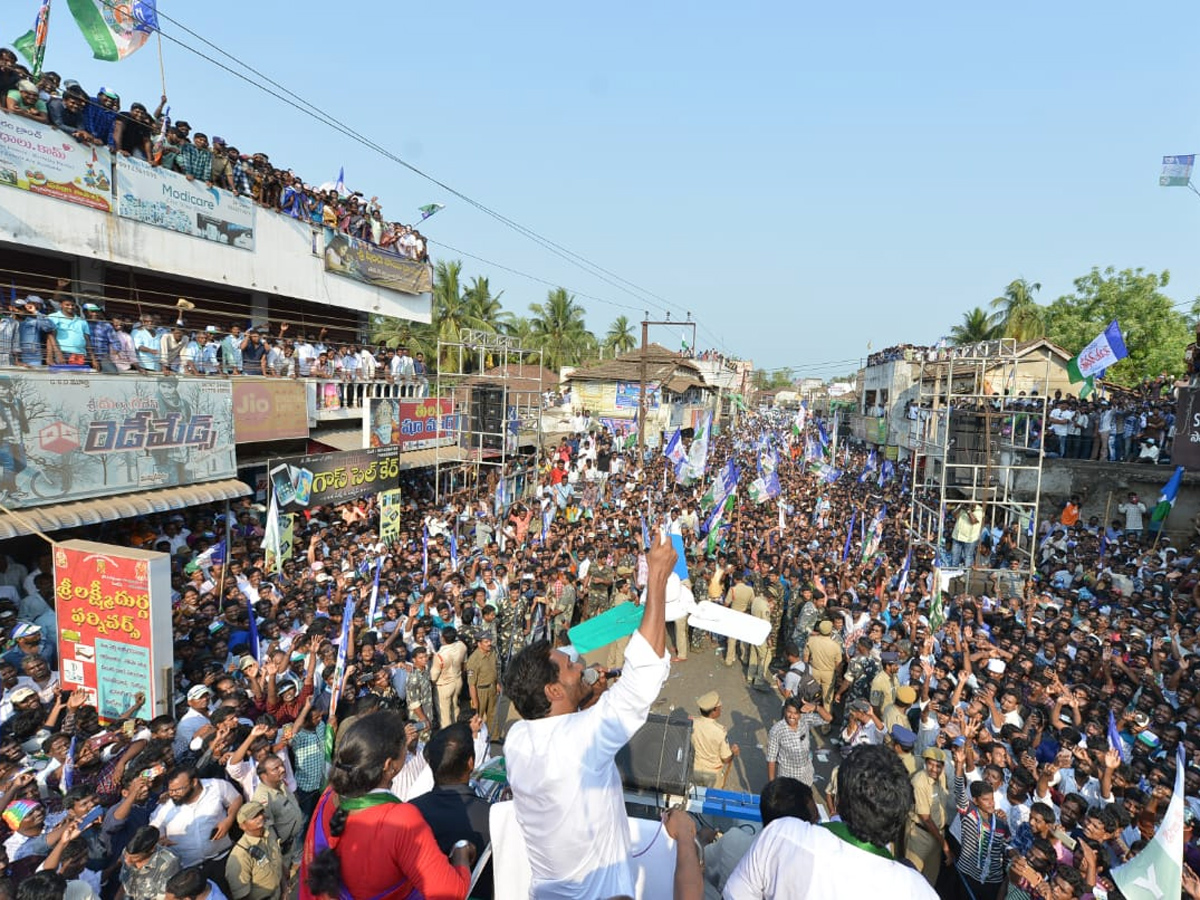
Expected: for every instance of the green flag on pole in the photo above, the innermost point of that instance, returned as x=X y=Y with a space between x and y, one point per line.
x=32 y=44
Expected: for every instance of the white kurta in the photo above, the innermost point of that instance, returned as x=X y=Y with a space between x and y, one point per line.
x=566 y=789
x=793 y=860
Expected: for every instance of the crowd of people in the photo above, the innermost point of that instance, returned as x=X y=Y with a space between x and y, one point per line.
x=971 y=733
x=61 y=332
x=99 y=121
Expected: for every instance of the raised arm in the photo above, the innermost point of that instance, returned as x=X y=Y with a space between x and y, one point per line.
x=660 y=561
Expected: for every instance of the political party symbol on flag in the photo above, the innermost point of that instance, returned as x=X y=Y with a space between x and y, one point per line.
x=1157 y=872
x=757 y=492
x=674 y=450
x=115 y=30
x=429 y=209
x=32 y=44
x=874 y=534
x=697 y=457
x=722 y=488
x=1166 y=499
x=1106 y=350
x=869 y=468
x=1177 y=171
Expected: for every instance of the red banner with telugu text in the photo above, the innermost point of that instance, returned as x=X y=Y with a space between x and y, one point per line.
x=103 y=600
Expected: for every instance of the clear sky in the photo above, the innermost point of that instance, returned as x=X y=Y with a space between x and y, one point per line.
x=804 y=179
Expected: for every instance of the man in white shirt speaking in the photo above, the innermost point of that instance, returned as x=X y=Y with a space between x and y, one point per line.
x=567 y=792
x=846 y=860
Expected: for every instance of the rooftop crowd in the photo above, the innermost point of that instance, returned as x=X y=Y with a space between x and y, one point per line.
x=100 y=121
x=969 y=731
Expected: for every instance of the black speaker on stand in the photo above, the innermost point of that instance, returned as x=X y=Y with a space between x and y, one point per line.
x=487 y=417
x=659 y=756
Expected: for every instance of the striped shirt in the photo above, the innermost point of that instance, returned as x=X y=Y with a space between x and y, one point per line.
x=984 y=840
x=790 y=750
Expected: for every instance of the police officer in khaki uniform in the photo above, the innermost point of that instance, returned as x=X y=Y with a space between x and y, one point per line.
x=482 y=681
x=926 y=843
x=254 y=868
x=824 y=655
x=883 y=685
x=616 y=650
x=739 y=598
x=713 y=752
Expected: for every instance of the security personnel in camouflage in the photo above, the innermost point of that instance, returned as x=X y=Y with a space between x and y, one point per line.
x=419 y=691
x=600 y=580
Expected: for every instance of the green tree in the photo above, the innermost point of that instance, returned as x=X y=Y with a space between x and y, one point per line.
x=1156 y=333
x=557 y=327
x=977 y=325
x=484 y=306
x=1019 y=314
x=416 y=336
x=771 y=379
x=454 y=311
x=620 y=337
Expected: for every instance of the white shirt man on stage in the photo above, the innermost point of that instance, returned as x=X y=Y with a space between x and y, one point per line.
x=567 y=792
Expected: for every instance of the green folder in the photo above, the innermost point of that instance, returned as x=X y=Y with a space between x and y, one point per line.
x=620 y=621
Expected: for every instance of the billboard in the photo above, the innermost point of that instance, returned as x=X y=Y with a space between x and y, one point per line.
x=303 y=482
x=168 y=200
x=113 y=606
x=390 y=509
x=409 y=424
x=76 y=437
x=269 y=410
x=1185 y=451
x=41 y=160
x=629 y=393
x=365 y=262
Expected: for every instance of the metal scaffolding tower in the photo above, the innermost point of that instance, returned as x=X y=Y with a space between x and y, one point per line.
x=495 y=385
x=976 y=445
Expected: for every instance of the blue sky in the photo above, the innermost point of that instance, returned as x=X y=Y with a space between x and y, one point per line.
x=804 y=180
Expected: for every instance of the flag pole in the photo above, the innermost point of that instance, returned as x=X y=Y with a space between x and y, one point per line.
x=162 y=70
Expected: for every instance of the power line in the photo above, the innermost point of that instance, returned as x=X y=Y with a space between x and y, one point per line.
x=306 y=107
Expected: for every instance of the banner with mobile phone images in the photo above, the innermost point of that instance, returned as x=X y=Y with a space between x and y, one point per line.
x=302 y=482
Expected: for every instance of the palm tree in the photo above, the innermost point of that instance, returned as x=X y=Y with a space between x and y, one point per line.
x=977 y=325
x=453 y=311
x=558 y=328
x=485 y=306
x=1020 y=316
x=620 y=337
x=416 y=336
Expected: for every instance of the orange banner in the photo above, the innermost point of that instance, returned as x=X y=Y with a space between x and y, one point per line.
x=268 y=410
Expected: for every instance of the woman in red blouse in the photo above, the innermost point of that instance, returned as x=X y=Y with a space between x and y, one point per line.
x=364 y=843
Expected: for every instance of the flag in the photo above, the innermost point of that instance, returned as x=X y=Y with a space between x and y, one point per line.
x=823 y=437
x=715 y=523
x=253 y=639
x=454 y=549
x=1157 y=871
x=115 y=31
x=339 y=670
x=339 y=186
x=374 y=593
x=801 y=417
x=723 y=487
x=937 y=614
x=674 y=450
x=868 y=467
x=1114 y=738
x=757 y=492
x=1103 y=544
x=272 y=542
x=1106 y=350
x=849 y=536
x=425 y=554
x=429 y=209
x=683 y=344
x=697 y=457
x=782 y=520
x=1177 y=171
x=874 y=534
x=886 y=472
x=902 y=583
x=214 y=555
x=1167 y=499
x=32 y=44
x=645 y=534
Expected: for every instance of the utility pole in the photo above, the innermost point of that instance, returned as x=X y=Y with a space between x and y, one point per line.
x=646 y=323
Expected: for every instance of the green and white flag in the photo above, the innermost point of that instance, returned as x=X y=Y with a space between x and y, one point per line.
x=1106 y=350
x=115 y=30
x=32 y=44
x=1157 y=872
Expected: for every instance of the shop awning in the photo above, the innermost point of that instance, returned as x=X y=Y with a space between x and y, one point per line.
x=345 y=439
x=420 y=459
x=123 y=506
